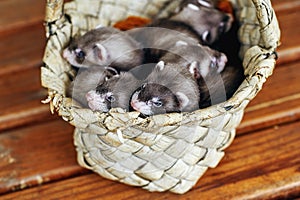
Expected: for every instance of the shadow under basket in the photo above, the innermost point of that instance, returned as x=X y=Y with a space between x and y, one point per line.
x=167 y=152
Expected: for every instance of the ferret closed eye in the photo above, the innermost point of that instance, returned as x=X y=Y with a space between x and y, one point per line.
x=194 y=22
x=116 y=91
x=200 y=60
x=88 y=79
x=104 y=46
x=204 y=18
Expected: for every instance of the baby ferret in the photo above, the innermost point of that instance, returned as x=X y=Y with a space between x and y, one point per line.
x=169 y=88
x=204 y=18
x=114 y=92
x=194 y=22
x=86 y=80
x=104 y=46
x=199 y=59
x=159 y=37
x=215 y=89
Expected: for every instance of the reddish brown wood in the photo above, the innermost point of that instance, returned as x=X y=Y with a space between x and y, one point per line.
x=17 y=14
x=278 y=102
x=36 y=155
x=285 y=6
x=22 y=50
x=289 y=50
x=262 y=165
x=20 y=99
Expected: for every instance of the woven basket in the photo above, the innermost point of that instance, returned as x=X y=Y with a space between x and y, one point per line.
x=161 y=152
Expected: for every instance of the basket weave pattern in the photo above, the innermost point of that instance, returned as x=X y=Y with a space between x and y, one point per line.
x=162 y=152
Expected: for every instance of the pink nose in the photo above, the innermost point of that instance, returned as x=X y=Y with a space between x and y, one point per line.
x=65 y=53
x=134 y=105
x=89 y=96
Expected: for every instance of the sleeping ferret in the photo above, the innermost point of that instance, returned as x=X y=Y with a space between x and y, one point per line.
x=112 y=93
x=204 y=18
x=194 y=22
x=88 y=79
x=199 y=59
x=104 y=46
x=169 y=88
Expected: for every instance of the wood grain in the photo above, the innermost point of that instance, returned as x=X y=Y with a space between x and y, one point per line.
x=277 y=102
x=289 y=50
x=17 y=14
x=20 y=51
x=20 y=99
x=261 y=165
x=285 y=6
x=36 y=155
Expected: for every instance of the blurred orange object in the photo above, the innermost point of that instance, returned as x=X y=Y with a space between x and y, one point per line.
x=225 y=6
x=132 y=22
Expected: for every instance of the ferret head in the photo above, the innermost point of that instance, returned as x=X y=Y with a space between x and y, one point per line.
x=86 y=51
x=206 y=20
x=100 y=100
x=215 y=63
x=102 y=97
x=152 y=98
x=200 y=60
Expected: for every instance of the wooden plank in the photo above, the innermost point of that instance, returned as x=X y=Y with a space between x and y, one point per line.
x=285 y=6
x=290 y=44
x=262 y=165
x=20 y=99
x=278 y=102
x=37 y=154
x=19 y=51
x=17 y=14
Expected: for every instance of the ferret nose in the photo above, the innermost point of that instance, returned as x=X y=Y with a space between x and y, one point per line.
x=65 y=53
x=133 y=104
x=89 y=96
x=221 y=62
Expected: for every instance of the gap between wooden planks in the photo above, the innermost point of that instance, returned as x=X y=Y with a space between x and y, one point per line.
x=278 y=102
x=37 y=154
x=261 y=165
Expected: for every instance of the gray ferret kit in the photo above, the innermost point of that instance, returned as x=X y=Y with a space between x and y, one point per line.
x=180 y=74
x=193 y=22
x=104 y=46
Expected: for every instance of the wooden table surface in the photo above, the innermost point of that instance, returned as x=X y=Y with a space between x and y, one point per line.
x=37 y=155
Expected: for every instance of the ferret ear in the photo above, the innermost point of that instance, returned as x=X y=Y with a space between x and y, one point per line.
x=183 y=99
x=197 y=71
x=111 y=72
x=160 y=65
x=194 y=69
x=181 y=43
x=101 y=52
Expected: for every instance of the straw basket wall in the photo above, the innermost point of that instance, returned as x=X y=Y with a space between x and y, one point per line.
x=162 y=152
